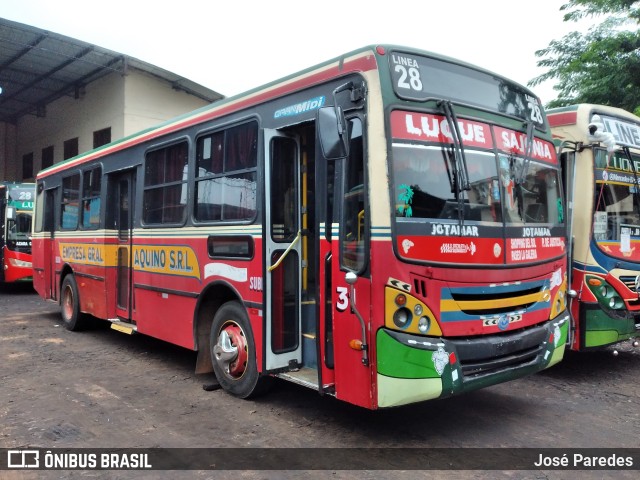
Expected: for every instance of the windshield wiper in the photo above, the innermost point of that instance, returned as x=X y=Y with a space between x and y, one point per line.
x=459 y=163
x=528 y=149
x=521 y=176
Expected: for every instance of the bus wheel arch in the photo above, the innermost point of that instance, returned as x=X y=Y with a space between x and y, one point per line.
x=233 y=352
x=208 y=304
x=72 y=316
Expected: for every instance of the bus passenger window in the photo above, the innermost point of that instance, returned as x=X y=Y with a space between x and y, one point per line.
x=226 y=174
x=353 y=225
x=91 y=198
x=70 y=200
x=165 y=180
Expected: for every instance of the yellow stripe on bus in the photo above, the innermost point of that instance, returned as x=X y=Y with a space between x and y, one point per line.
x=455 y=305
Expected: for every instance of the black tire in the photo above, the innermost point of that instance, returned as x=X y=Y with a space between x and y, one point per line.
x=72 y=317
x=233 y=352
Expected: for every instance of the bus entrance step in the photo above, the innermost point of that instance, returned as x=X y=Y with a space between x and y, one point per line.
x=124 y=327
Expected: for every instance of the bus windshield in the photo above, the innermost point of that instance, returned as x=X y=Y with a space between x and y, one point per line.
x=616 y=200
x=425 y=177
x=19 y=228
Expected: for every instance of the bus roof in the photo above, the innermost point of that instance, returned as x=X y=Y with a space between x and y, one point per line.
x=359 y=60
x=571 y=114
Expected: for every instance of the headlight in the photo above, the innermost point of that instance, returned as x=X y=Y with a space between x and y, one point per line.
x=19 y=263
x=402 y=317
x=423 y=324
x=605 y=291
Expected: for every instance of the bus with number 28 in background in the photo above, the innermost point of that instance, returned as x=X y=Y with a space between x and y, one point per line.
x=599 y=149
x=386 y=227
x=16 y=210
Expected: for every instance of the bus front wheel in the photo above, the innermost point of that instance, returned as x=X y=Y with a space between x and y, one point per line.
x=70 y=304
x=233 y=352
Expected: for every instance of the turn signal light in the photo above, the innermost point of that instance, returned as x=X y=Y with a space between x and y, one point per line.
x=356 y=344
x=596 y=282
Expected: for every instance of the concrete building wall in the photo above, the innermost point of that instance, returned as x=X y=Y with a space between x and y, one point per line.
x=100 y=105
x=150 y=101
x=124 y=103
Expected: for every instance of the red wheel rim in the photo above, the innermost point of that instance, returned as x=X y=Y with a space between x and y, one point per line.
x=231 y=351
x=67 y=303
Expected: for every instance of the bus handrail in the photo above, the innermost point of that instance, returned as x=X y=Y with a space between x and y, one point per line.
x=286 y=252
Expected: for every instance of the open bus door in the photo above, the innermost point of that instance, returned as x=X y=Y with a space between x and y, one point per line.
x=122 y=200
x=283 y=253
x=48 y=251
x=350 y=282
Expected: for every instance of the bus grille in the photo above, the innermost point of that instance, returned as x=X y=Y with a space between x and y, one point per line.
x=480 y=356
x=629 y=281
x=483 y=304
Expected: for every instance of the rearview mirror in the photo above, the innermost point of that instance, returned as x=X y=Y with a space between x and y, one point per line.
x=332 y=132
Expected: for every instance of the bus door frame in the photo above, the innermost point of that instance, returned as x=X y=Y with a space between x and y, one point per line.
x=280 y=256
x=123 y=300
x=50 y=258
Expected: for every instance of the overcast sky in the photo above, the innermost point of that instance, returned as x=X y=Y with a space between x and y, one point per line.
x=235 y=45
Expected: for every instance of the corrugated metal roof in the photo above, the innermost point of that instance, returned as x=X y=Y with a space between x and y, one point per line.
x=38 y=67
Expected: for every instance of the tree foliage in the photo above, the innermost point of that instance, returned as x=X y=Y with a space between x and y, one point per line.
x=600 y=66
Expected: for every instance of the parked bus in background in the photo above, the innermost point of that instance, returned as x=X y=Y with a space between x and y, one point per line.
x=386 y=227
x=599 y=149
x=16 y=210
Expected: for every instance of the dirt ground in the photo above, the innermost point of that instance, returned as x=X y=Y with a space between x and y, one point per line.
x=103 y=389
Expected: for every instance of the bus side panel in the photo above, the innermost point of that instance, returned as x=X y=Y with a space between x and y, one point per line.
x=353 y=378
x=38 y=246
x=325 y=335
x=91 y=291
x=43 y=273
x=110 y=278
x=165 y=316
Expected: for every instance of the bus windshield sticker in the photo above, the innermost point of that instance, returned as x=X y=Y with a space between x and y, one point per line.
x=406 y=245
x=404 y=208
x=513 y=142
x=600 y=225
x=625 y=240
x=435 y=128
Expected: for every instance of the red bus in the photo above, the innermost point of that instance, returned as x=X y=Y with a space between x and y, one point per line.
x=16 y=210
x=385 y=227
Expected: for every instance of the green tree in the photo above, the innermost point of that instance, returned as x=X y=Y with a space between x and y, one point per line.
x=601 y=66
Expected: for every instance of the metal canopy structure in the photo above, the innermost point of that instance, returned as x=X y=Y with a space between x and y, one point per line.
x=38 y=67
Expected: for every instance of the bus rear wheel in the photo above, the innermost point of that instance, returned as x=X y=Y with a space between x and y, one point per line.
x=233 y=352
x=72 y=317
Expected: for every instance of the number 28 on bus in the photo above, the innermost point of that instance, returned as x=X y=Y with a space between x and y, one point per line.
x=386 y=227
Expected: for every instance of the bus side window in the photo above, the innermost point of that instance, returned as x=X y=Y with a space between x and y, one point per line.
x=70 y=202
x=353 y=225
